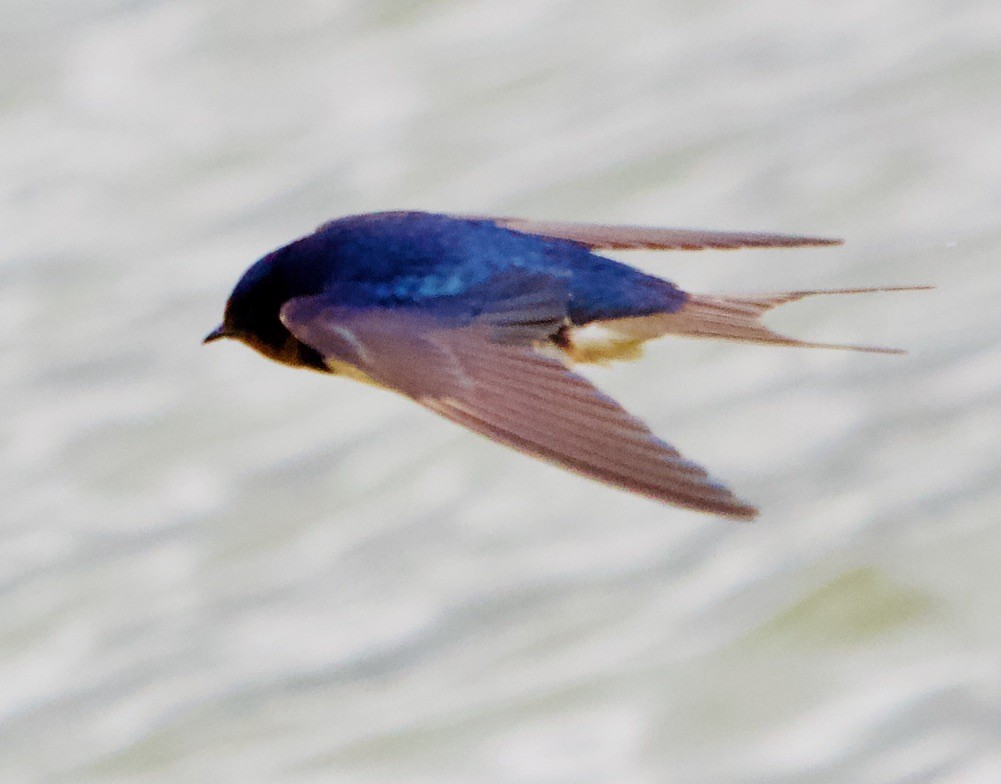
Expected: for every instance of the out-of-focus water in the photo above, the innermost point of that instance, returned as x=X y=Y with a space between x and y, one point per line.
x=216 y=569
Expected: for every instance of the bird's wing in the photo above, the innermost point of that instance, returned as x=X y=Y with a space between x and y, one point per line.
x=595 y=235
x=491 y=376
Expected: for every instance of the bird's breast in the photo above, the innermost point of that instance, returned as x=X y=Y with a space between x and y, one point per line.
x=341 y=368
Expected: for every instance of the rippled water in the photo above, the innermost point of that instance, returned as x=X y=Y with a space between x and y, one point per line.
x=215 y=569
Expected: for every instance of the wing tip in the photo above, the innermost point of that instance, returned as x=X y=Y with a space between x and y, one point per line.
x=825 y=240
x=744 y=513
x=754 y=240
x=734 y=510
x=723 y=504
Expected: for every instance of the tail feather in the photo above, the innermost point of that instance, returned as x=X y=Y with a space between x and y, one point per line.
x=731 y=317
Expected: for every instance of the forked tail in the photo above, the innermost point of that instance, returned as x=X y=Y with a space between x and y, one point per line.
x=733 y=317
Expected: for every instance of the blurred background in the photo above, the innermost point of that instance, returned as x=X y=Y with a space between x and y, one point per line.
x=213 y=568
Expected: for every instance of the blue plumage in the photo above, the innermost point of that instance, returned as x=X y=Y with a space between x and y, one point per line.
x=402 y=259
x=480 y=319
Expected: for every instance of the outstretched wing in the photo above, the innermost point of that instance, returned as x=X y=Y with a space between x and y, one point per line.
x=491 y=376
x=595 y=235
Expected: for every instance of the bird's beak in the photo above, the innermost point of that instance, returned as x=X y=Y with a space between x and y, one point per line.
x=215 y=334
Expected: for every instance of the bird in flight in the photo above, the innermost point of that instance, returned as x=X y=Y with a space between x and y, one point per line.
x=481 y=319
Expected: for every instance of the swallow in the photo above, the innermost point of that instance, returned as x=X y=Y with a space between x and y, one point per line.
x=482 y=319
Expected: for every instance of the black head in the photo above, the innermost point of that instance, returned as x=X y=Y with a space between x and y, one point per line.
x=252 y=316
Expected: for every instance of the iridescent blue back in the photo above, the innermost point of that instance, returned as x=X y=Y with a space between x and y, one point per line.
x=408 y=258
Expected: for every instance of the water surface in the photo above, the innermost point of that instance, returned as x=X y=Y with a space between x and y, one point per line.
x=215 y=569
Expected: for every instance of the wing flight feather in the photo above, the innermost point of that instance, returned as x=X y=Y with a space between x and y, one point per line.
x=612 y=237
x=490 y=376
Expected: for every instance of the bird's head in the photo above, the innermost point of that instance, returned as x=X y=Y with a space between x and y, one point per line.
x=252 y=316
